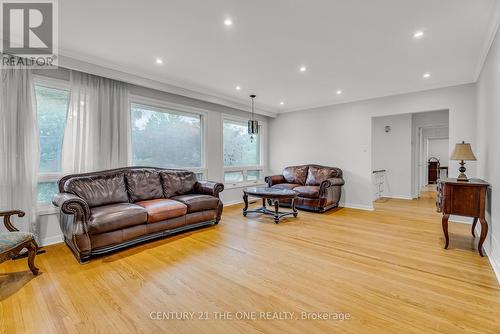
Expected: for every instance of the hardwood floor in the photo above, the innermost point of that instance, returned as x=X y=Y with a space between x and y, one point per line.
x=386 y=269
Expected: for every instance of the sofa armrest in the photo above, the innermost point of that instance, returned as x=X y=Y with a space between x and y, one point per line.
x=274 y=179
x=208 y=188
x=72 y=205
x=334 y=181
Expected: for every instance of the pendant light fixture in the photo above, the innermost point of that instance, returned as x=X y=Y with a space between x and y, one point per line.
x=253 y=124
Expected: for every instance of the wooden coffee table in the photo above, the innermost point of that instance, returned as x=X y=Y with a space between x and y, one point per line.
x=274 y=195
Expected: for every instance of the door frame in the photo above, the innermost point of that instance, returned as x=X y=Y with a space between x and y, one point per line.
x=421 y=162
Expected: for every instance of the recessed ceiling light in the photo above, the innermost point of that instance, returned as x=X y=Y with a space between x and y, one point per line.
x=339 y=92
x=302 y=68
x=238 y=87
x=426 y=75
x=282 y=103
x=228 y=22
x=418 y=34
x=159 y=61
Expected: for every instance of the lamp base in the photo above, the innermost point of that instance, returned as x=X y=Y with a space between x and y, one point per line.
x=462 y=177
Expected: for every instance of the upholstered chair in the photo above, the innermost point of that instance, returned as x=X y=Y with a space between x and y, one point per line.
x=14 y=241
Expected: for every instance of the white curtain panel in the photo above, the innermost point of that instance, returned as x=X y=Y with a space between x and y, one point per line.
x=98 y=133
x=19 y=146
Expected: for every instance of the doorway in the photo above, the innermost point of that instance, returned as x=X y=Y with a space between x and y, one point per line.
x=433 y=156
x=402 y=145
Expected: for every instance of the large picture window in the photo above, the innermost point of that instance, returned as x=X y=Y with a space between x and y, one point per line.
x=242 y=154
x=166 y=138
x=52 y=107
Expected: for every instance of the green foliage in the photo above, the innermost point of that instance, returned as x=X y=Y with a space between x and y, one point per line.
x=165 y=139
x=52 y=107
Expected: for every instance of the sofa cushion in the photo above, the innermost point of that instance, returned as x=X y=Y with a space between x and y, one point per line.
x=177 y=182
x=318 y=174
x=143 y=184
x=163 y=209
x=286 y=185
x=98 y=190
x=196 y=202
x=295 y=174
x=308 y=191
x=115 y=216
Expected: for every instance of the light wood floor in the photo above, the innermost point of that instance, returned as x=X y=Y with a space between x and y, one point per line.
x=386 y=269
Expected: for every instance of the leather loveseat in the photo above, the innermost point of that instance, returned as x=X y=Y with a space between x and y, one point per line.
x=318 y=187
x=108 y=210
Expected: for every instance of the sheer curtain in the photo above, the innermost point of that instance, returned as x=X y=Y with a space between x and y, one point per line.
x=98 y=133
x=19 y=146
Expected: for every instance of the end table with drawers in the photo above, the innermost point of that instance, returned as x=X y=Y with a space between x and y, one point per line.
x=463 y=199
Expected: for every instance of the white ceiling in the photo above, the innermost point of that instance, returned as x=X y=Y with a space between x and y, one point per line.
x=363 y=47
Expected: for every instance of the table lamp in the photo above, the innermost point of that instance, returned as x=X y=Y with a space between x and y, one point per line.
x=463 y=152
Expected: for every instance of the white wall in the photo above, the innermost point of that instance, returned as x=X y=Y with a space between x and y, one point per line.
x=438 y=148
x=340 y=135
x=392 y=151
x=488 y=145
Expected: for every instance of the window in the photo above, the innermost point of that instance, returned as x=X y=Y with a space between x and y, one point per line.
x=52 y=106
x=46 y=191
x=167 y=138
x=239 y=150
x=233 y=177
x=254 y=175
x=242 y=155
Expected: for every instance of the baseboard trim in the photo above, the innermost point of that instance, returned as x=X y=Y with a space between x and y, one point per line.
x=491 y=250
x=344 y=205
x=461 y=220
x=494 y=260
x=399 y=197
x=250 y=201
x=52 y=240
x=495 y=264
x=357 y=206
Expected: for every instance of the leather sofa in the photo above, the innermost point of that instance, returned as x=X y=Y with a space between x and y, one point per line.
x=108 y=210
x=318 y=187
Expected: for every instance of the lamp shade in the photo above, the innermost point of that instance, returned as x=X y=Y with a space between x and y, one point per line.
x=463 y=151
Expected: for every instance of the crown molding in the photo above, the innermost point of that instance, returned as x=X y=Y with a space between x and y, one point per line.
x=493 y=26
x=373 y=97
x=102 y=68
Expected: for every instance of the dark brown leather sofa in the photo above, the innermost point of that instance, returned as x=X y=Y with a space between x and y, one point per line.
x=318 y=187
x=108 y=210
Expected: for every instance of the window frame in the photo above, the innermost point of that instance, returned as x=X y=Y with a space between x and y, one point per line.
x=59 y=84
x=244 y=169
x=180 y=110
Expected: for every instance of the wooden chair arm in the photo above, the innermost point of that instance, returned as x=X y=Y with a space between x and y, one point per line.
x=6 y=219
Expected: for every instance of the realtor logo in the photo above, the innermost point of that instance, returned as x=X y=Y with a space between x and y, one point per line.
x=29 y=33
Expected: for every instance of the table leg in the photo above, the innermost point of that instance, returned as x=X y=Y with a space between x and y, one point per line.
x=474 y=227
x=294 y=209
x=245 y=199
x=276 y=211
x=444 y=222
x=484 y=232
